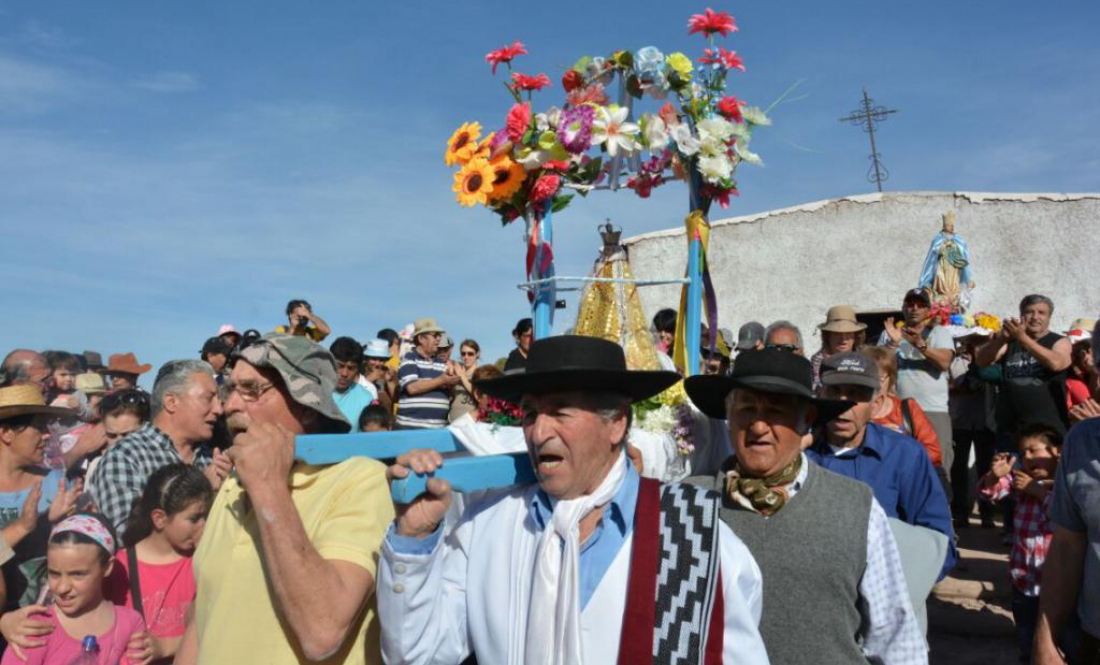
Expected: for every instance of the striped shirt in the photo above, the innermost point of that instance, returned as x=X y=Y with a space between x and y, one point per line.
x=426 y=409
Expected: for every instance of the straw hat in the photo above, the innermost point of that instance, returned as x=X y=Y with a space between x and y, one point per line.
x=90 y=383
x=23 y=400
x=125 y=363
x=423 y=326
x=841 y=319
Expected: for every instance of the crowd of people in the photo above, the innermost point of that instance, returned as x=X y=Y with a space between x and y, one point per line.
x=176 y=524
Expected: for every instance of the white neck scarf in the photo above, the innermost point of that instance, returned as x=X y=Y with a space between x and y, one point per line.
x=554 y=617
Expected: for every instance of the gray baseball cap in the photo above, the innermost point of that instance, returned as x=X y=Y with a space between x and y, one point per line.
x=308 y=370
x=849 y=369
x=750 y=334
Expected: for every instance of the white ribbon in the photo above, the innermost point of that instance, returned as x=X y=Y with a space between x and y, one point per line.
x=554 y=616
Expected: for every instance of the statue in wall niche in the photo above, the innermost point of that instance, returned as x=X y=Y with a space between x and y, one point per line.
x=947 y=274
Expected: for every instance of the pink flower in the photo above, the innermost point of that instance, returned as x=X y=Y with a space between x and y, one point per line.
x=730 y=108
x=593 y=94
x=545 y=188
x=669 y=114
x=711 y=22
x=721 y=195
x=728 y=59
x=505 y=54
x=525 y=82
x=519 y=119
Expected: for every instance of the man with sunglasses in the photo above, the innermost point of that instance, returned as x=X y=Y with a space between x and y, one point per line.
x=185 y=408
x=784 y=336
x=895 y=466
x=287 y=560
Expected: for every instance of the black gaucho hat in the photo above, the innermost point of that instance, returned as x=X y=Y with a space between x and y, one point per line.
x=575 y=362
x=766 y=371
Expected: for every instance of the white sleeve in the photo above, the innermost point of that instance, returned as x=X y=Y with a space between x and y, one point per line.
x=742 y=600
x=422 y=601
x=889 y=627
x=941 y=338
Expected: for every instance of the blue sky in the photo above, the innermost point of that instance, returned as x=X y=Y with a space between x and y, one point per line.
x=169 y=167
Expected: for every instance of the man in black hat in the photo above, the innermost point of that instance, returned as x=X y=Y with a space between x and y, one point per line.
x=592 y=564
x=830 y=563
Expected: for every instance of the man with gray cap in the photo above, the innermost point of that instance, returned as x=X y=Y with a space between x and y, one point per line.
x=895 y=466
x=287 y=561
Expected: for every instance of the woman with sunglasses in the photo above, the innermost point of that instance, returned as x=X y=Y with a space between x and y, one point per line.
x=121 y=412
x=463 y=401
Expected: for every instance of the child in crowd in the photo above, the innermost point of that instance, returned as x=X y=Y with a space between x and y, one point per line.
x=153 y=574
x=1040 y=446
x=78 y=558
x=63 y=393
x=375 y=418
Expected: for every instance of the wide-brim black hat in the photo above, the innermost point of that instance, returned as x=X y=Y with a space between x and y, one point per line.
x=575 y=362
x=766 y=371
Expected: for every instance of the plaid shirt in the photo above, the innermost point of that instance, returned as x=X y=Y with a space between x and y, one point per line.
x=120 y=477
x=1031 y=538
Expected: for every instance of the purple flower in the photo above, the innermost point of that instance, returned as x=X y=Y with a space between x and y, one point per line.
x=499 y=139
x=575 y=128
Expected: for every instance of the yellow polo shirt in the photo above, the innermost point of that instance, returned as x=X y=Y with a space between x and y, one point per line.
x=345 y=509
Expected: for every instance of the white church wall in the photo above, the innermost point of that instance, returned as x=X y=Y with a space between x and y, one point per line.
x=866 y=251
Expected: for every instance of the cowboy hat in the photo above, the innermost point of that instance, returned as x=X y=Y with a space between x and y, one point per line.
x=841 y=319
x=125 y=363
x=24 y=399
x=766 y=371
x=576 y=362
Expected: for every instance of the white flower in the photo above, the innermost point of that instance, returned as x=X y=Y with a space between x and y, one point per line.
x=655 y=132
x=611 y=127
x=715 y=169
x=715 y=127
x=747 y=155
x=531 y=159
x=712 y=147
x=687 y=144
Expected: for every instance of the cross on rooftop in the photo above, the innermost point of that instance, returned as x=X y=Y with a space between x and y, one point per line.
x=866 y=117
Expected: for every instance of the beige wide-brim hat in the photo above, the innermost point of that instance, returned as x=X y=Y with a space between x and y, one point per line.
x=24 y=400
x=841 y=319
x=91 y=383
x=423 y=326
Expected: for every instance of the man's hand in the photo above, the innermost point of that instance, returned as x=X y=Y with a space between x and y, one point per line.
x=450 y=379
x=139 y=648
x=893 y=333
x=1002 y=465
x=64 y=504
x=263 y=456
x=1085 y=410
x=420 y=518
x=22 y=631
x=91 y=440
x=913 y=337
x=1014 y=330
x=219 y=469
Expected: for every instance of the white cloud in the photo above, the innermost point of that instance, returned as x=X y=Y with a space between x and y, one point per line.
x=169 y=82
x=27 y=86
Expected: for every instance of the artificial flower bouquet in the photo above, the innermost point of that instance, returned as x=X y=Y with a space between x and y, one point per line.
x=538 y=160
x=668 y=413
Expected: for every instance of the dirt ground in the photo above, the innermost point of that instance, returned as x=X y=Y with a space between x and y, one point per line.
x=970 y=612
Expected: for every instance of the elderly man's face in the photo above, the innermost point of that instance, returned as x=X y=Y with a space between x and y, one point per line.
x=766 y=430
x=195 y=410
x=1036 y=319
x=571 y=446
x=39 y=374
x=786 y=339
x=266 y=402
x=428 y=343
x=846 y=430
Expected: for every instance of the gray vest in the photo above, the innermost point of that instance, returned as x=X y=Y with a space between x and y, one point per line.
x=812 y=554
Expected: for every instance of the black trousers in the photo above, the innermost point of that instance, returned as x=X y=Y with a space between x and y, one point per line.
x=985 y=443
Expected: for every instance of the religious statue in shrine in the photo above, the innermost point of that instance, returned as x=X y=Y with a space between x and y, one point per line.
x=947 y=274
x=612 y=310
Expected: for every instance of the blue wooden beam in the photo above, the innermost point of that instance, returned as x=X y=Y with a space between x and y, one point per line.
x=335 y=448
x=694 y=308
x=469 y=474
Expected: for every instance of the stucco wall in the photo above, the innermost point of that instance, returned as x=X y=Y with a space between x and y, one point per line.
x=867 y=250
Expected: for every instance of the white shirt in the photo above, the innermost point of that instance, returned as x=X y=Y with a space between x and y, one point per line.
x=472 y=591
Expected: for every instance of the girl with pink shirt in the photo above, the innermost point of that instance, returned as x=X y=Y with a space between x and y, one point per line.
x=162 y=533
x=78 y=558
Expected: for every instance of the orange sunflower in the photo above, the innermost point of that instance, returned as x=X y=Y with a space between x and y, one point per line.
x=474 y=182
x=463 y=144
x=508 y=177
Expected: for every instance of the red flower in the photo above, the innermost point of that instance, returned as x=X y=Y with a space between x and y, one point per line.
x=545 y=188
x=669 y=114
x=572 y=80
x=730 y=107
x=721 y=195
x=593 y=94
x=729 y=59
x=505 y=54
x=519 y=118
x=711 y=22
x=525 y=82
x=556 y=165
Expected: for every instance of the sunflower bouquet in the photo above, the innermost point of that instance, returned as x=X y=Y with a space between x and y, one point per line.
x=538 y=160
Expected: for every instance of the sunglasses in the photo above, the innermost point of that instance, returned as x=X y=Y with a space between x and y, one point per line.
x=118 y=398
x=248 y=338
x=789 y=348
x=469 y=354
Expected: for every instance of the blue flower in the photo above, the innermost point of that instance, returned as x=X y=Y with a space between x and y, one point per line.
x=649 y=63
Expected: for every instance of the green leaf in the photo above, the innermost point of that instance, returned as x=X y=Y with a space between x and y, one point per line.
x=581 y=66
x=560 y=202
x=624 y=59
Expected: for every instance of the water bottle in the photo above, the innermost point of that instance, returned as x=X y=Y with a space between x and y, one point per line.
x=89 y=652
